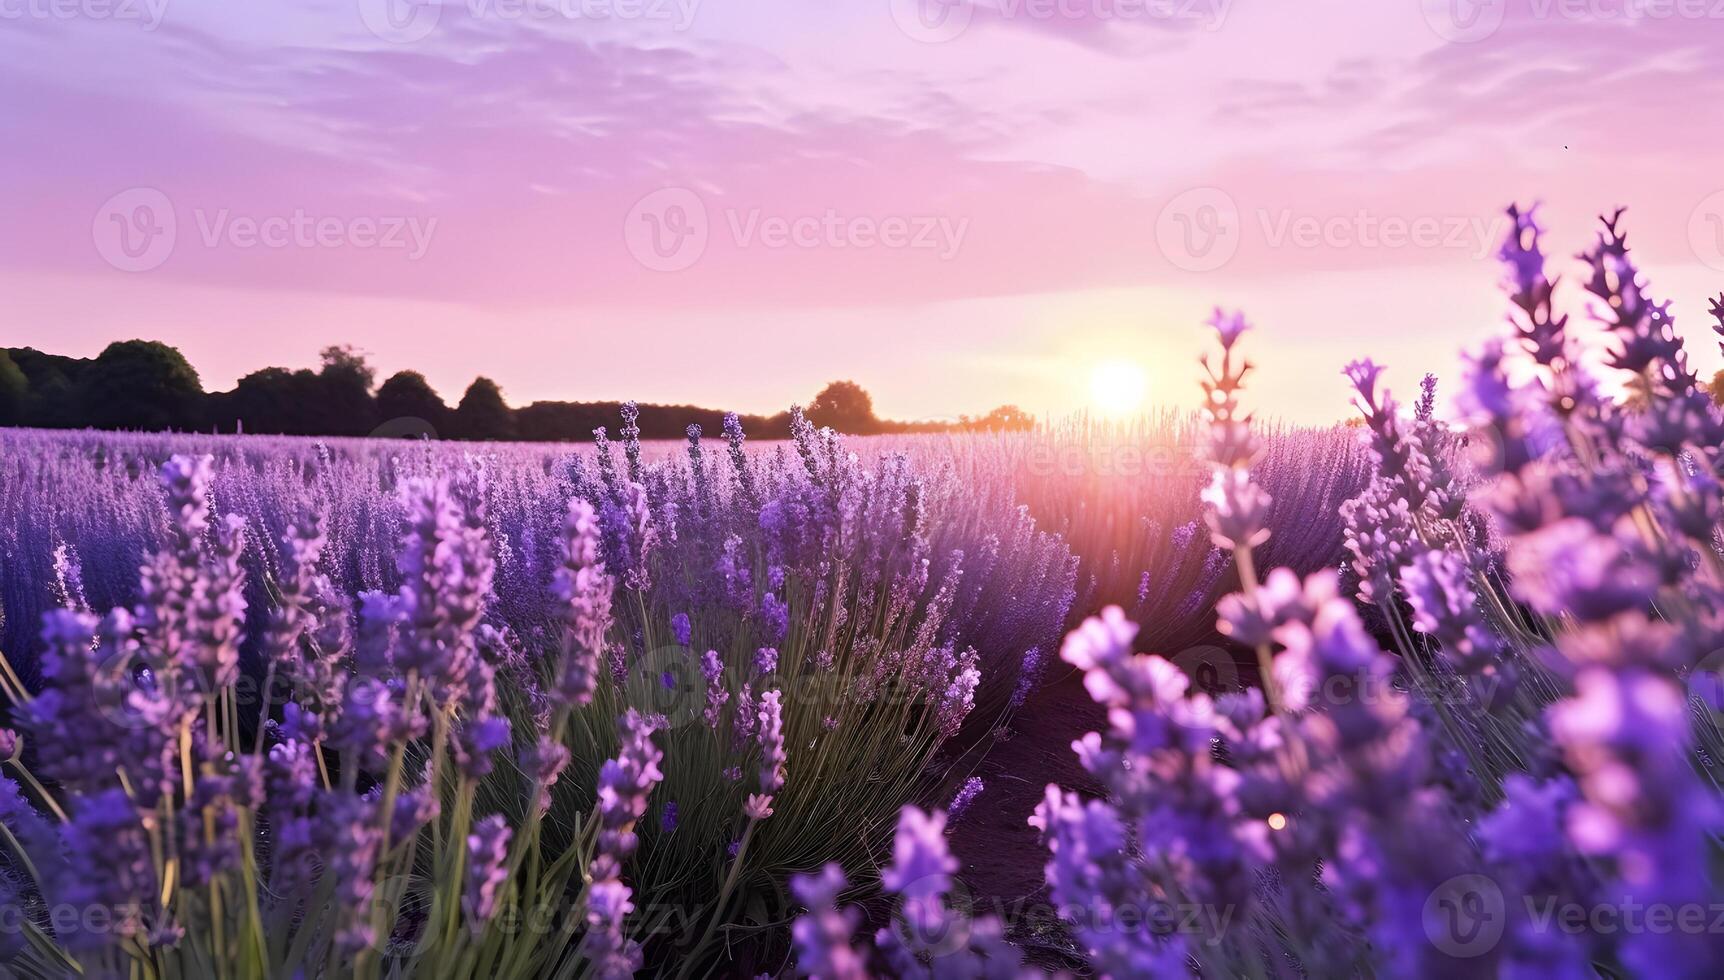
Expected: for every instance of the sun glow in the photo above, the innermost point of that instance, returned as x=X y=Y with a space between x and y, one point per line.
x=1117 y=388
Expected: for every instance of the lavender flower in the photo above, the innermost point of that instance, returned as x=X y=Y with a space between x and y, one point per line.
x=765 y=661
x=625 y=787
x=965 y=796
x=822 y=935
x=585 y=590
x=772 y=755
x=487 y=856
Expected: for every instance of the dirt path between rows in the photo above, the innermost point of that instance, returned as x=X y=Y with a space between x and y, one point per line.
x=1000 y=859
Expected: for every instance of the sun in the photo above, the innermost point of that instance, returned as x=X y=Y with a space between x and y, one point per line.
x=1117 y=388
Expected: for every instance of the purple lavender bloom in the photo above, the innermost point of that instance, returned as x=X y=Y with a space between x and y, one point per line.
x=667 y=821
x=774 y=619
x=959 y=697
x=614 y=956
x=487 y=869
x=584 y=588
x=631 y=435
x=772 y=755
x=680 y=629
x=545 y=761
x=921 y=874
x=1238 y=510
x=716 y=695
x=1030 y=672
x=446 y=569
x=107 y=866
x=625 y=787
x=822 y=935
x=965 y=796
x=765 y=661
x=475 y=744
x=414 y=810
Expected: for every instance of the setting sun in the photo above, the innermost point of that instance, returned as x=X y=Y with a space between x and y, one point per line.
x=1117 y=388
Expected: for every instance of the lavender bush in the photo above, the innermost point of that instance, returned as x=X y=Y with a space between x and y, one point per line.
x=1124 y=495
x=1520 y=785
x=588 y=720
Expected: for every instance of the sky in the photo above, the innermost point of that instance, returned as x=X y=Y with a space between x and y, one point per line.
x=956 y=203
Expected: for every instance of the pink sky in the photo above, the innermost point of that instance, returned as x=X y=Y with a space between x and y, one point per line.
x=731 y=203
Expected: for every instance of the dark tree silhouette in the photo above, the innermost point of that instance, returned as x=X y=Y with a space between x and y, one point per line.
x=406 y=395
x=149 y=385
x=344 y=406
x=14 y=391
x=845 y=407
x=483 y=414
x=273 y=401
x=52 y=399
x=140 y=384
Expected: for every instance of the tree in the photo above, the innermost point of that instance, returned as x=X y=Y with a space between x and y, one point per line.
x=845 y=407
x=483 y=414
x=141 y=384
x=51 y=401
x=1006 y=418
x=273 y=401
x=14 y=390
x=407 y=395
x=348 y=362
x=343 y=405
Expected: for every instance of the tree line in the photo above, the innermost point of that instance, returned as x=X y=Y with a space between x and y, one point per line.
x=147 y=385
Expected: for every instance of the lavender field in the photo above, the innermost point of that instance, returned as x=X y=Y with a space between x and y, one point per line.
x=1434 y=694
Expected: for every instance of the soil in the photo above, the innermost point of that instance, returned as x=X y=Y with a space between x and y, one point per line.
x=1000 y=859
